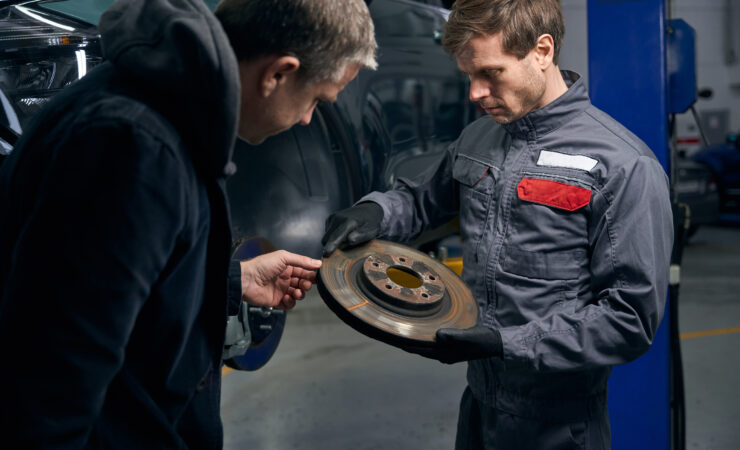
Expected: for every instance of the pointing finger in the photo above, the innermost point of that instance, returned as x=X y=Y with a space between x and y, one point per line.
x=300 y=261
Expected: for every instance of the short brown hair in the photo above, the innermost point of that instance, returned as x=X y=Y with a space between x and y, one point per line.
x=325 y=35
x=521 y=23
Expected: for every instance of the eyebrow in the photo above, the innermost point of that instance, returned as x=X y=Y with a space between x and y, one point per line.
x=484 y=68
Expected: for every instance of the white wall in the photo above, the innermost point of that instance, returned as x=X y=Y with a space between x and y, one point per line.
x=716 y=32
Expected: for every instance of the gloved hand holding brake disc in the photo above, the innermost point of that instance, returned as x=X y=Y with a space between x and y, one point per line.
x=454 y=345
x=352 y=226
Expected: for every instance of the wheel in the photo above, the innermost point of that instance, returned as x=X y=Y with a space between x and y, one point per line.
x=266 y=325
x=285 y=188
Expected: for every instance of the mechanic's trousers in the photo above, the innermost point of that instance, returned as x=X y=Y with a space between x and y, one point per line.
x=483 y=427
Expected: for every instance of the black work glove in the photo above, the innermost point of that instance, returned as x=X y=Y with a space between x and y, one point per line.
x=352 y=226
x=453 y=345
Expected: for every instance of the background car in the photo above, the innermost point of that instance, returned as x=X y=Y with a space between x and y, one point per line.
x=696 y=186
x=386 y=124
x=44 y=47
x=724 y=162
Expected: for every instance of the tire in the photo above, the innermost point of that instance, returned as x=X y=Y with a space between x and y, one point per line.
x=285 y=188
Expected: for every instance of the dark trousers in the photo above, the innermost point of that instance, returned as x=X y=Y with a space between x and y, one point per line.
x=480 y=426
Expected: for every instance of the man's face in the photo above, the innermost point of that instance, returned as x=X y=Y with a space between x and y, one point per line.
x=506 y=87
x=294 y=102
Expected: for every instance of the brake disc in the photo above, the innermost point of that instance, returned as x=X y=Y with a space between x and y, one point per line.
x=395 y=294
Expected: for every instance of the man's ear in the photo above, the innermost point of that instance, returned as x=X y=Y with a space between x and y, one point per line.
x=276 y=72
x=544 y=51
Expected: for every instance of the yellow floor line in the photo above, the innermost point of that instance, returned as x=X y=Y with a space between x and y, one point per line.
x=697 y=334
x=225 y=370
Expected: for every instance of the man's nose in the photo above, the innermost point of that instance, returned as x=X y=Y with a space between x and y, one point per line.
x=478 y=90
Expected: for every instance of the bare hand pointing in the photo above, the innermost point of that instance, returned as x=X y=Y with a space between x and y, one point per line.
x=277 y=279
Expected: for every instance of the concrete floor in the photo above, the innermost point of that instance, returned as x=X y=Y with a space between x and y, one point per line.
x=329 y=387
x=710 y=300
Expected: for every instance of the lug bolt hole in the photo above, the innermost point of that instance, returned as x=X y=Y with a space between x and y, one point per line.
x=425 y=295
x=388 y=286
x=432 y=278
x=402 y=259
x=376 y=264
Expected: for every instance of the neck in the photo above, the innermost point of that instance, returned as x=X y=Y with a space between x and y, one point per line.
x=251 y=101
x=554 y=85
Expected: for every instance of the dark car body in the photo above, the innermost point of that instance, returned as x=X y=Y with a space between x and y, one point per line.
x=724 y=162
x=696 y=187
x=386 y=124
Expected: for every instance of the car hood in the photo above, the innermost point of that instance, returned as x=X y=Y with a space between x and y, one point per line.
x=179 y=50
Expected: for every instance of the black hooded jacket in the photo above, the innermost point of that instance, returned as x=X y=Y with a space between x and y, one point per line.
x=115 y=240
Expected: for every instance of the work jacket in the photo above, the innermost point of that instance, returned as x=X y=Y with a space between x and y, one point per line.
x=115 y=242
x=566 y=230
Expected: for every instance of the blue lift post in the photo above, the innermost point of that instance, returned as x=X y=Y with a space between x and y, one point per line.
x=628 y=80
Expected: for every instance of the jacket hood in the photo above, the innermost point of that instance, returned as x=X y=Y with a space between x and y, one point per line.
x=178 y=50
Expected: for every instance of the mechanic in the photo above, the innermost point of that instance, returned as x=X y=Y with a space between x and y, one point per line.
x=115 y=238
x=566 y=229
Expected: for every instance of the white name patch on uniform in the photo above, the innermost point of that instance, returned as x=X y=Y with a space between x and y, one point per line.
x=555 y=159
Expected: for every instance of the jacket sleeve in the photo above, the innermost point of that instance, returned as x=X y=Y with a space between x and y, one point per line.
x=411 y=206
x=234 y=292
x=98 y=235
x=630 y=239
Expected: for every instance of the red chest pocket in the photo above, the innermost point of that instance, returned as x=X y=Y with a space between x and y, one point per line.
x=553 y=193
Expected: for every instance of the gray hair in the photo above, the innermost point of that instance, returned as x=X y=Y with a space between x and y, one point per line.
x=325 y=35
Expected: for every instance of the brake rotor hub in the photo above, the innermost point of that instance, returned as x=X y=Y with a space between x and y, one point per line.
x=403 y=284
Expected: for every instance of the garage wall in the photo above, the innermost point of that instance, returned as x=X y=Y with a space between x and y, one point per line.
x=717 y=25
x=574 y=54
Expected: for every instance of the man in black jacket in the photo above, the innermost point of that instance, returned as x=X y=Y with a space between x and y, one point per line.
x=115 y=272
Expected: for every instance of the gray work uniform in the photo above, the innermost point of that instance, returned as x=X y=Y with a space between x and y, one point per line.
x=567 y=231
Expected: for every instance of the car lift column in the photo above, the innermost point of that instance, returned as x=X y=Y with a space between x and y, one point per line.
x=627 y=73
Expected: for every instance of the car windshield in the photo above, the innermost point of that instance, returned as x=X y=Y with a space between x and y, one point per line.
x=88 y=11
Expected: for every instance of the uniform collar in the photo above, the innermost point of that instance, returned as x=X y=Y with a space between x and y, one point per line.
x=555 y=114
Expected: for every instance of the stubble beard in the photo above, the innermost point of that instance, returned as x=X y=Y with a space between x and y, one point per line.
x=529 y=94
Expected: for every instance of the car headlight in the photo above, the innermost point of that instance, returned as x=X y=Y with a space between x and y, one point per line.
x=40 y=54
